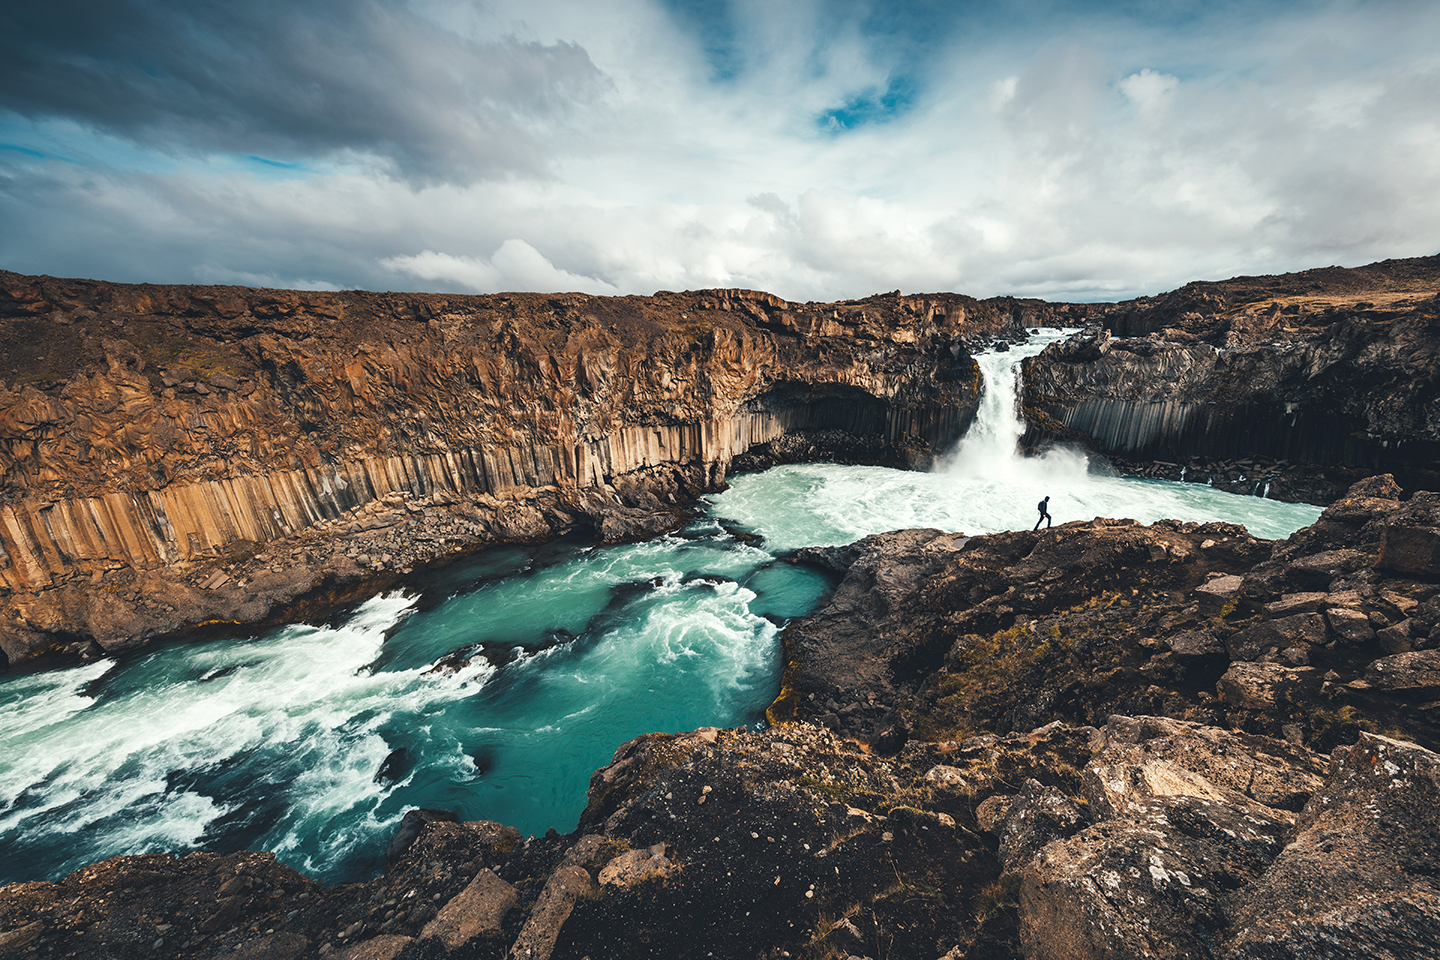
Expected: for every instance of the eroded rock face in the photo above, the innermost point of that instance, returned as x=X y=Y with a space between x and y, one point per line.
x=1027 y=811
x=178 y=455
x=1296 y=384
x=1358 y=878
x=1147 y=837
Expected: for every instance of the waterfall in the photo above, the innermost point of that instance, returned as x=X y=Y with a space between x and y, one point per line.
x=989 y=449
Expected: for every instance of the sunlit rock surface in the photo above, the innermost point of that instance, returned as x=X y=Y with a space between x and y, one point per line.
x=176 y=455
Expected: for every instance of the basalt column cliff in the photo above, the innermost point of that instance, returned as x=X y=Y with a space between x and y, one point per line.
x=177 y=455
x=1297 y=384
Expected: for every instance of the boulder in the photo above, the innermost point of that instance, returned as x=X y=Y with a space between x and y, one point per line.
x=1382 y=486
x=1149 y=879
x=1411 y=540
x=1293 y=603
x=1215 y=595
x=637 y=866
x=1318 y=571
x=1035 y=817
x=1358 y=879
x=1270 y=636
x=1395 y=638
x=537 y=938
x=1195 y=643
x=1405 y=671
x=275 y=946
x=1272 y=772
x=384 y=947
x=477 y=911
x=411 y=826
x=1352 y=626
x=1258 y=686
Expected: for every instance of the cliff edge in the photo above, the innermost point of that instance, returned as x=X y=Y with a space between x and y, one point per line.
x=171 y=456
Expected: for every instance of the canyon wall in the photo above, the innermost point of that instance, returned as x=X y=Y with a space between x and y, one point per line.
x=176 y=455
x=1334 y=369
x=154 y=440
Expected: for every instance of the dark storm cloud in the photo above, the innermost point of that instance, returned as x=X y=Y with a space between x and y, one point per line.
x=289 y=81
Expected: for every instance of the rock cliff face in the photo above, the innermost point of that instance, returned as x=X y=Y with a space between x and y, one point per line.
x=175 y=455
x=1101 y=740
x=1324 y=369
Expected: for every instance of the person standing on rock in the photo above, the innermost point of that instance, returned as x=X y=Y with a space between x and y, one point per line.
x=1044 y=506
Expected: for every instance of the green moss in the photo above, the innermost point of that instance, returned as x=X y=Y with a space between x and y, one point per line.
x=987 y=668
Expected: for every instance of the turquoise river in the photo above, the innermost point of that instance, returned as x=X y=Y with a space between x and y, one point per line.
x=498 y=686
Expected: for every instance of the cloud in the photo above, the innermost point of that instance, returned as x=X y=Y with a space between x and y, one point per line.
x=1068 y=151
x=1149 y=90
x=281 y=80
x=514 y=266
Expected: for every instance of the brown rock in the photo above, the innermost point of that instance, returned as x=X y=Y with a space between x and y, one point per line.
x=1411 y=541
x=384 y=947
x=1351 y=626
x=1149 y=878
x=1258 y=686
x=991 y=812
x=1406 y=671
x=1273 y=635
x=278 y=946
x=477 y=911
x=21 y=936
x=1270 y=771
x=1346 y=886
x=1195 y=643
x=1037 y=816
x=1395 y=638
x=1216 y=594
x=1292 y=603
x=1319 y=570
x=637 y=866
x=537 y=938
x=1382 y=486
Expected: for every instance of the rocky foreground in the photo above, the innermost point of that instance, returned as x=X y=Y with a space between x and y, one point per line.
x=1102 y=740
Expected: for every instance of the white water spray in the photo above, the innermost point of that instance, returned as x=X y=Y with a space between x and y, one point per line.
x=985 y=486
x=989 y=452
x=275 y=742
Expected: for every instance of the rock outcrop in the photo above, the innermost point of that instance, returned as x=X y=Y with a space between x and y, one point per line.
x=176 y=455
x=1295 y=383
x=1038 y=745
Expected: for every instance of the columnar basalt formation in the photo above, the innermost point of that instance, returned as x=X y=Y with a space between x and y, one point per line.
x=1332 y=368
x=154 y=440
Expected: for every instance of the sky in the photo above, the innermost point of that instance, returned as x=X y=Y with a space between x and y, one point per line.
x=816 y=149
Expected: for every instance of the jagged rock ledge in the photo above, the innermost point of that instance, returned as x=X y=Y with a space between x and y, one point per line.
x=176 y=456
x=976 y=766
x=1302 y=383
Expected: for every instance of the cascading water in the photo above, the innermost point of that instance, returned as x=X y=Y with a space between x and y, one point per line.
x=986 y=486
x=517 y=673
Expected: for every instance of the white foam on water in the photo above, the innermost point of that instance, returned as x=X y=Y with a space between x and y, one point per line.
x=149 y=757
x=36 y=707
x=103 y=763
x=984 y=486
x=695 y=636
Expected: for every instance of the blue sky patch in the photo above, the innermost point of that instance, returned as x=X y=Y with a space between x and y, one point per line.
x=870 y=107
x=25 y=150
